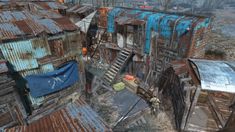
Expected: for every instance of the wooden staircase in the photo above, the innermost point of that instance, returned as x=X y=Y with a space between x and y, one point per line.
x=122 y=58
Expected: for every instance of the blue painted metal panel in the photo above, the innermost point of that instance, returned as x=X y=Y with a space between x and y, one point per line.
x=87 y=117
x=165 y=26
x=50 y=25
x=23 y=55
x=204 y=23
x=143 y=15
x=183 y=26
x=152 y=24
x=111 y=17
x=20 y=55
x=40 y=48
x=9 y=27
x=6 y=16
x=166 y=29
x=216 y=75
x=18 y=15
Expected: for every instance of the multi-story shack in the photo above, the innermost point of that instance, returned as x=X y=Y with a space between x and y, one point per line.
x=155 y=39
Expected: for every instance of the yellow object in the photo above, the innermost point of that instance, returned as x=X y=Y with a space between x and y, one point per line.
x=119 y=86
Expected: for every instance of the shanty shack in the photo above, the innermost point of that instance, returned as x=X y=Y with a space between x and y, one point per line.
x=152 y=40
x=201 y=93
x=40 y=46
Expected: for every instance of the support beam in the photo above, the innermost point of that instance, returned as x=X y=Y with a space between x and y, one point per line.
x=192 y=106
x=215 y=111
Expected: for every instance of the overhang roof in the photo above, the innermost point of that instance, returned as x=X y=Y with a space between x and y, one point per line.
x=216 y=75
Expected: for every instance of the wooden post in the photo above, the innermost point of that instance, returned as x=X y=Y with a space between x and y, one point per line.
x=192 y=106
x=215 y=112
x=186 y=111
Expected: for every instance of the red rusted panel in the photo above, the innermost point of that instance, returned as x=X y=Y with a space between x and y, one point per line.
x=65 y=24
x=29 y=27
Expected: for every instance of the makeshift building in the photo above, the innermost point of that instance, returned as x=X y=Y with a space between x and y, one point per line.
x=12 y=111
x=202 y=93
x=156 y=39
x=41 y=43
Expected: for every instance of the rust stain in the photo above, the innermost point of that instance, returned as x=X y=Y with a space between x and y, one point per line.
x=66 y=120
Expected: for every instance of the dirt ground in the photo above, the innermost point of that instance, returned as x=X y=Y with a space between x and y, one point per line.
x=222 y=38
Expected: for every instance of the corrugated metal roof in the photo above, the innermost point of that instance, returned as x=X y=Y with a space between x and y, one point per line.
x=29 y=27
x=65 y=24
x=9 y=30
x=47 y=14
x=80 y=9
x=76 y=116
x=16 y=24
x=216 y=75
x=7 y=16
x=50 y=25
x=56 y=5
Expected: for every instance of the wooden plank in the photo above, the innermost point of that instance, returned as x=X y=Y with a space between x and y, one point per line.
x=216 y=112
x=187 y=106
x=192 y=106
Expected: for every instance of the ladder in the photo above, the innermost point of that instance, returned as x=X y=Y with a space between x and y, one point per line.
x=122 y=58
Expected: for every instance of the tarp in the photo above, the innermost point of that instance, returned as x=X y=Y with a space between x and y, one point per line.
x=43 y=84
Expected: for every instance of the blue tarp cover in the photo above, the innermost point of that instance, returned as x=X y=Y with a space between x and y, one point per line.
x=43 y=84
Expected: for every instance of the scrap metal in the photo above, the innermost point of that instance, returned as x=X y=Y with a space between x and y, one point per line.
x=76 y=116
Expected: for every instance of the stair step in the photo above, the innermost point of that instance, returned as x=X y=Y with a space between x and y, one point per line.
x=109 y=77
x=108 y=80
x=124 y=52
x=115 y=68
x=116 y=65
x=126 y=49
x=113 y=71
x=120 y=60
x=119 y=63
x=122 y=57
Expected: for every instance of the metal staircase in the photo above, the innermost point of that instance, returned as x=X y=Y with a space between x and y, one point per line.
x=122 y=58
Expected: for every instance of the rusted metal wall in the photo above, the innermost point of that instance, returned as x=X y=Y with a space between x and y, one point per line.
x=102 y=21
x=11 y=108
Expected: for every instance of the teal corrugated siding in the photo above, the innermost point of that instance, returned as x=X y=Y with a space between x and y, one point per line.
x=23 y=55
x=20 y=55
